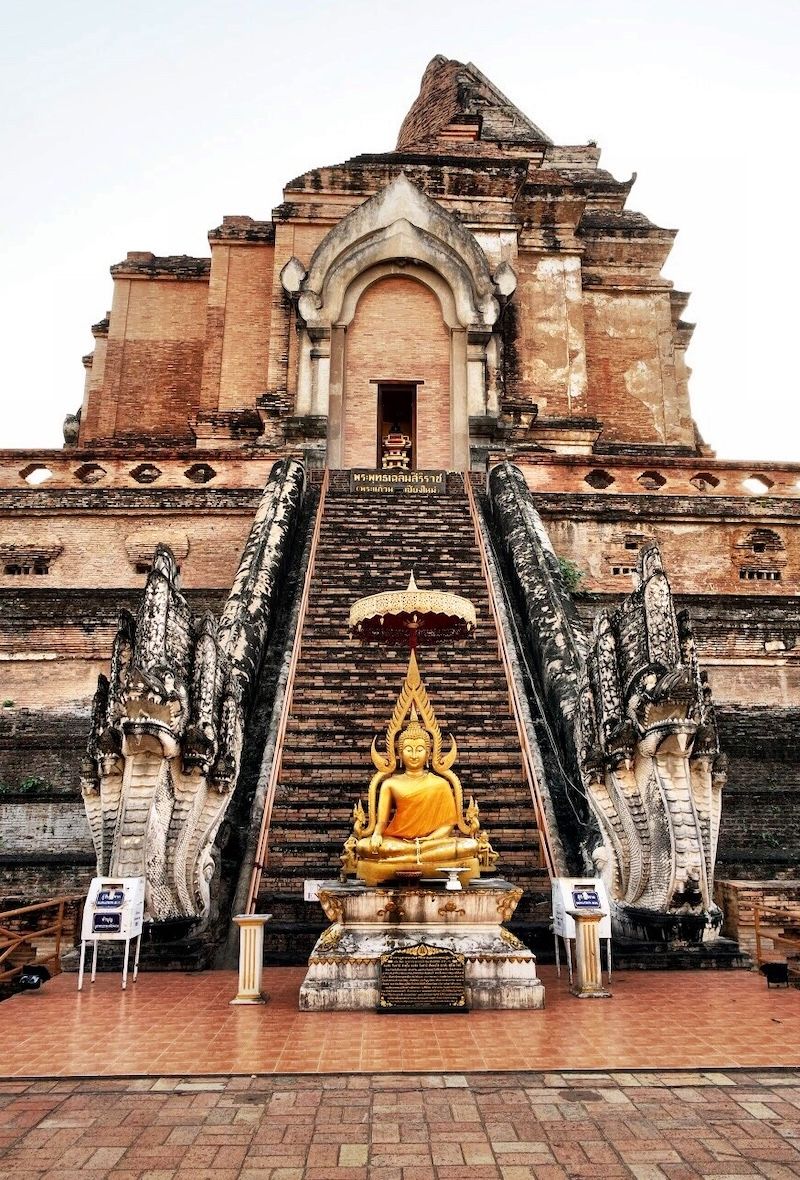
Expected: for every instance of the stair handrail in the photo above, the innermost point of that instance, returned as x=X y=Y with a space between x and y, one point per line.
x=277 y=759
x=516 y=708
x=11 y=940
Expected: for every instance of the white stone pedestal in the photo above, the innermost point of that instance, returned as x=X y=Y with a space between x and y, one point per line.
x=588 y=983
x=251 y=958
x=344 y=967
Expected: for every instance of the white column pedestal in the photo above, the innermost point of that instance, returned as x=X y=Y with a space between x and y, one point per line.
x=251 y=958
x=588 y=983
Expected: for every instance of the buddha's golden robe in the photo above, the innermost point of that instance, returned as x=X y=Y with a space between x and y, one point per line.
x=422 y=810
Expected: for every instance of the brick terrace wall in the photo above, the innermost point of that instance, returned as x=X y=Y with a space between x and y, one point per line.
x=46 y=745
x=760 y=830
x=35 y=826
x=153 y=362
x=631 y=369
x=238 y=325
x=700 y=555
x=736 y=637
x=46 y=847
x=101 y=549
x=52 y=648
x=398 y=334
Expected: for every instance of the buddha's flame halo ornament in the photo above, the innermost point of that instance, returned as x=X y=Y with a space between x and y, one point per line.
x=414 y=820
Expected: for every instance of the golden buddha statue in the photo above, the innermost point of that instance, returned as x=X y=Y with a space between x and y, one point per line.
x=415 y=818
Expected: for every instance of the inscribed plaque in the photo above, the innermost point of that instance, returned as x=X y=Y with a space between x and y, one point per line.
x=422 y=978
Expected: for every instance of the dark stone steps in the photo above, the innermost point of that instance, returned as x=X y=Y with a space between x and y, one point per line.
x=344 y=694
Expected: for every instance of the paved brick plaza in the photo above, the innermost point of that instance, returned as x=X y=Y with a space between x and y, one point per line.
x=511 y=1126
x=671 y=1078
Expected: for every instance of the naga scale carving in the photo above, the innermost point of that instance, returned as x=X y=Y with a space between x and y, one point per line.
x=634 y=720
x=650 y=753
x=168 y=723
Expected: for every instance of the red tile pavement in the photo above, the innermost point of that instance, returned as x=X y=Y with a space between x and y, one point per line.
x=174 y=1023
x=487 y=1126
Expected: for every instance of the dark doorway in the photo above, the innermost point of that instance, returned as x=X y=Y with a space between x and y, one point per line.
x=397 y=419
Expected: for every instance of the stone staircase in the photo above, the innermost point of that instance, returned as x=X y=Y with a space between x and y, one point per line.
x=344 y=694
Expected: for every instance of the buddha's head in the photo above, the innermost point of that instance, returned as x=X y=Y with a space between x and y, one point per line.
x=414 y=746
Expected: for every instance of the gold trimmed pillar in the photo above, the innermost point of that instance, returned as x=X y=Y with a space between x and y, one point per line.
x=251 y=958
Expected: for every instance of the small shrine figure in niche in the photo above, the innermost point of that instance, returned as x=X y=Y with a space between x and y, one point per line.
x=396 y=447
x=416 y=817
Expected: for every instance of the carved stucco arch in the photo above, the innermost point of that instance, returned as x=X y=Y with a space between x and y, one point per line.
x=418 y=273
x=399 y=231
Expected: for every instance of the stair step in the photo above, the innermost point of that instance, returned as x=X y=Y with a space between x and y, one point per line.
x=344 y=694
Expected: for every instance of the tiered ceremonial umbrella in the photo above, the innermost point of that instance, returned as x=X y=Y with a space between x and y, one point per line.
x=412 y=617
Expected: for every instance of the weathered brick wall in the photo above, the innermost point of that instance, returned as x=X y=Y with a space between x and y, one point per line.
x=39 y=825
x=703 y=551
x=398 y=334
x=154 y=358
x=103 y=548
x=95 y=371
x=43 y=744
x=238 y=325
x=52 y=648
x=45 y=846
x=631 y=369
x=735 y=639
x=434 y=107
x=760 y=832
x=25 y=880
x=550 y=345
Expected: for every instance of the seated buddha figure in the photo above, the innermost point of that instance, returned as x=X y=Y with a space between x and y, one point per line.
x=418 y=820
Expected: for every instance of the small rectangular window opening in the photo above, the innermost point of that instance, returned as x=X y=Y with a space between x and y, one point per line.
x=754 y=575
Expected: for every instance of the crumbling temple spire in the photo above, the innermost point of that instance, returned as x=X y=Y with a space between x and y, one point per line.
x=458 y=103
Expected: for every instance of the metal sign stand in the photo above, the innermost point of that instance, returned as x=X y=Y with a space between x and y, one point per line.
x=114 y=912
x=96 y=944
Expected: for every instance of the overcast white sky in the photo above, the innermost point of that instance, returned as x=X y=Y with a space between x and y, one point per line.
x=136 y=127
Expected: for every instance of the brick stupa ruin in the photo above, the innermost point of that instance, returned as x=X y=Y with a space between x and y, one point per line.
x=479 y=302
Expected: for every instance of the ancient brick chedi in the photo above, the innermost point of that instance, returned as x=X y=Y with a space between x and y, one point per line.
x=478 y=300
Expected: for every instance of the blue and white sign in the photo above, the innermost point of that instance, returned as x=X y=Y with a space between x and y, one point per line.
x=587 y=894
x=114 y=912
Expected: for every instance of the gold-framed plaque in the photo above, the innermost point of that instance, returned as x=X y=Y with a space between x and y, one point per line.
x=422 y=978
x=408 y=483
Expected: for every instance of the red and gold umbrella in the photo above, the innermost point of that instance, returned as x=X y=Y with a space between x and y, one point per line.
x=412 y=617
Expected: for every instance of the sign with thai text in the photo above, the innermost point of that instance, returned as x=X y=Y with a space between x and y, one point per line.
x=106 y=923
x=585 y=899
x=422 y=978
x=419 y=483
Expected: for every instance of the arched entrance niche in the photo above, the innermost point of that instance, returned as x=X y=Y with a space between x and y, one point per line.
x=397 y=338
x=398 y=247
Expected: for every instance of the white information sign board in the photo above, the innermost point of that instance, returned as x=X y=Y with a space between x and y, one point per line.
x=114 y=912
x=579 y=893
x=311 y=889
x=587 y=894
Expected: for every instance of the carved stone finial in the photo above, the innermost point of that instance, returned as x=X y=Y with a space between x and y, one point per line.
x=292 y=276
x=72 y=425
x=505 y=280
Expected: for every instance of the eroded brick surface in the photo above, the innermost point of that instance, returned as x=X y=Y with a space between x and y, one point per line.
x=649 y=1126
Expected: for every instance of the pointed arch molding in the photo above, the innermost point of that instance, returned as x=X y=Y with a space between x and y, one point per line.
x=398 y=231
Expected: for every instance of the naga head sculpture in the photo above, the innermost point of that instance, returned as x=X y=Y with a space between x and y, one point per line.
x=651 y=764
